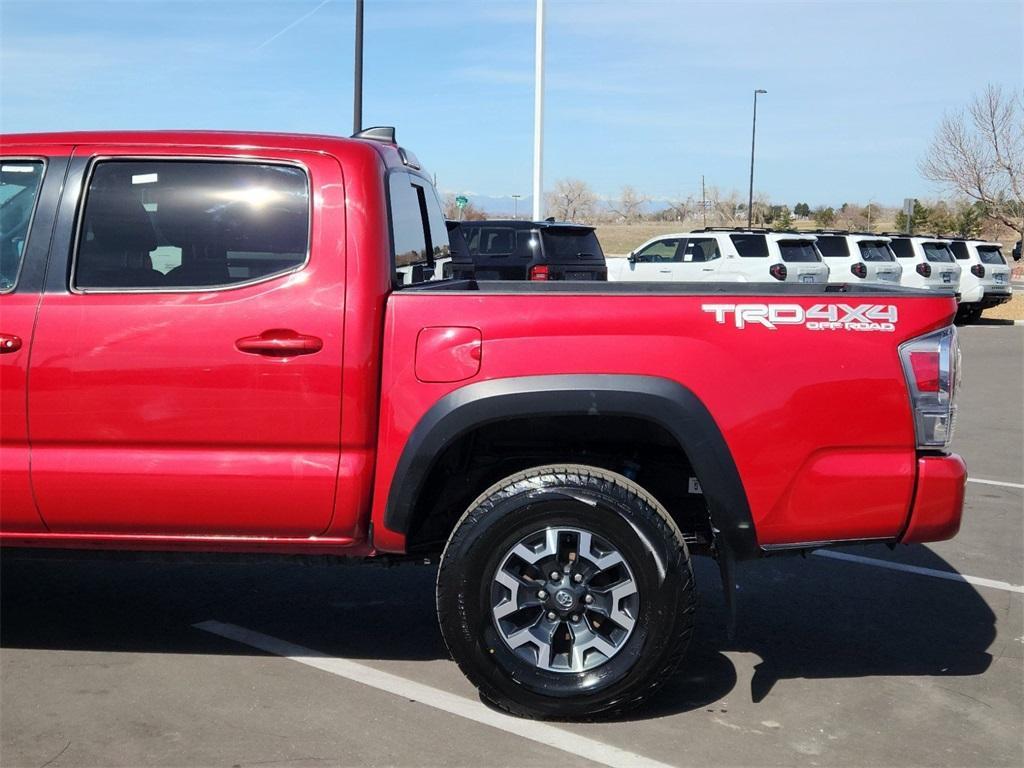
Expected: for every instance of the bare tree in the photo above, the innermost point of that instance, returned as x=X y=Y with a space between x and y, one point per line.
x=571 y=200
x=629 y=206
x=980 y=154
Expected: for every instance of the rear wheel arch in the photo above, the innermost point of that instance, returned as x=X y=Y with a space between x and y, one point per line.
x=669 y=405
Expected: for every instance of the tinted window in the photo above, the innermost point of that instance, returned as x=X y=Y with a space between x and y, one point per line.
x=177 y=224
x=833 y=247
x=701 y=249
x=439 y=242
x=959 y=249
x=751 y=246
x=936 y=252
x=562 y=244
x=875 y=250
x=19 y=187
x=902 y=248
x=494 y=241
x=660 y=251
x=990 y=254
x=798 y=250
x=408 y=223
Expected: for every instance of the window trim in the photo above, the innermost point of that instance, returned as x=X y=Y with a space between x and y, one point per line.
x=32 y=217
x=221 y=159
x=419 y=181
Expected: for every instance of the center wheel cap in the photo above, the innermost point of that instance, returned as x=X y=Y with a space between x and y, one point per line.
x=565 y=599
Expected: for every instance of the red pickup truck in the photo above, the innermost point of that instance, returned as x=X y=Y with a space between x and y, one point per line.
x=204 y=347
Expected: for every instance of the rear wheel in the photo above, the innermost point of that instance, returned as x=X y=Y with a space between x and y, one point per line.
x=566 y=591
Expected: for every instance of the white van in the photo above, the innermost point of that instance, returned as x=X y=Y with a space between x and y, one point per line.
x=724 y=255
x=858 y=257
x=985 y=279
x=927 y=262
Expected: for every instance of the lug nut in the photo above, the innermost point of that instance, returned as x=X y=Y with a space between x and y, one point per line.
x=551 y=615
x=575 y=617
x=556 y=576
x=542 y=594
x=577 y=577
x=588 y=599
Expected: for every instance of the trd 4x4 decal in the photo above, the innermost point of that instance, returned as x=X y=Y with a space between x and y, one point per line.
x=820 y=317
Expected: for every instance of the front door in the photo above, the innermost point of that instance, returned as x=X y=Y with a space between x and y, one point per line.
x=186 y=367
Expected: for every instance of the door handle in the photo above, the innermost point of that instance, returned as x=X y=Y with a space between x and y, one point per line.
x=280 y=342
x=665 y=271
x=9 y=343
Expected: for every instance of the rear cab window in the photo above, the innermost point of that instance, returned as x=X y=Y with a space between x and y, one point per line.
x=798 y=251
x=419 y=234
x=937 y=252
x=20 y=181
x=173 y=225
x=875 y=250
x=833 y=247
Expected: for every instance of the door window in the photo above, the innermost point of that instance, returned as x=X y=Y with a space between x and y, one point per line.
x=660 y=251
x=700 y=249
x=19 y=188
x=158 y=225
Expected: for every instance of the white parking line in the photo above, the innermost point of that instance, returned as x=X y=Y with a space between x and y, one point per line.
x=548 y=735
x=950 y=575
x=1001 y=483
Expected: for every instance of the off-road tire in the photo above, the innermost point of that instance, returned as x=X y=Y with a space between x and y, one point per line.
x=621 y=513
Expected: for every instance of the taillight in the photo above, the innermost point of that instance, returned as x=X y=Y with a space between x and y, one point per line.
x=859 y=270
x=924 y=269
x=978 y=270
x=778 y=271
x=931 y=365
x=539 y=272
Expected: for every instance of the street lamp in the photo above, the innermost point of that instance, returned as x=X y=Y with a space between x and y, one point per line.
x=515 y=206
x=357 y=90
x=753 y=136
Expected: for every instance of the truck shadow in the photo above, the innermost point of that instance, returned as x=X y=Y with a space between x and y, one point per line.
x=799 y=618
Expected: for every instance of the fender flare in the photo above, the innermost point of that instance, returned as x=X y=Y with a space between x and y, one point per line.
x=662 y=401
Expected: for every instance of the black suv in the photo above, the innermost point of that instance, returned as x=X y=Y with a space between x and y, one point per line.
x=528 y=250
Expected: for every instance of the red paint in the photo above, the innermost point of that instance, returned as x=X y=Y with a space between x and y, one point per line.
x=939 y=500
x=448 y=354
x=272 y=416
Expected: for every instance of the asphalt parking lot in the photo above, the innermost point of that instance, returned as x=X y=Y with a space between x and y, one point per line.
x=912 y=657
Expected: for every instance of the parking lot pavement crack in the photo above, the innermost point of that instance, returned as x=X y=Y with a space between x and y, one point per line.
x=56 y=757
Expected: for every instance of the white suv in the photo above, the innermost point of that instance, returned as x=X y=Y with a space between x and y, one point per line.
x=858 y=257
x=927 y=262
x=985 y=280
x=723 y=255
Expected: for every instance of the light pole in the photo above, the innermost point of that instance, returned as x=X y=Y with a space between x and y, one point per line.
x=357 y=91
x=538 y=115
x=753 y=137
x=515 y=206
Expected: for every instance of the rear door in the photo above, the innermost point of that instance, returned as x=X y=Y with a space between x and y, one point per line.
x=187 y=357
x=30 y=181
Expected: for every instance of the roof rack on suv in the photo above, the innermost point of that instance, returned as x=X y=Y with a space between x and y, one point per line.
x=832 y=232
x=731 y=229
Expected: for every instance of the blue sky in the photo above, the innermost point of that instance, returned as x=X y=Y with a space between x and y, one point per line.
x=652 y=94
